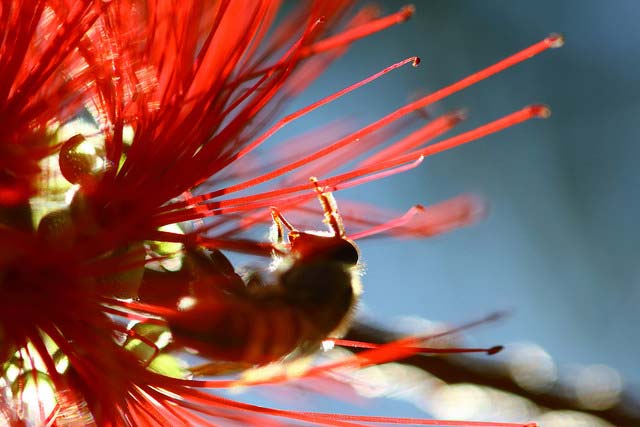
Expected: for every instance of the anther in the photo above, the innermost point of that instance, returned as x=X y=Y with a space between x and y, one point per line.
x=407 y=12
x=494 y=350
x=555 y=40
x=541 y=111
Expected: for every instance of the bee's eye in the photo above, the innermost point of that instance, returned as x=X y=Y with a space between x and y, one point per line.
x=345 y=252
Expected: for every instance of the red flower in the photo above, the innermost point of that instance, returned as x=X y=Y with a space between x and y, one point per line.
x=111 y=226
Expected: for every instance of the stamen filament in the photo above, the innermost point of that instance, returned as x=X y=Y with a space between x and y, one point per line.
x=394 y=223
x=269 y=198
x=345 y=38
x=434 y=350
x=294 y=116
x=360 y=32
x=428 y=132
x=527 y=113
x=290 y=118
x=358 y=176
x=549 y=42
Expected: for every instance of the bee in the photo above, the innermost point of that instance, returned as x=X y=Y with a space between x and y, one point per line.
x=311 y=298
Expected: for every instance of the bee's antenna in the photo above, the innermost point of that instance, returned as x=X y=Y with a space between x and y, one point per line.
x=331 y=216
x=280 y=223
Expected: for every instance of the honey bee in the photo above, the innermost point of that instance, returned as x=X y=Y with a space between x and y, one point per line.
x=311 y=298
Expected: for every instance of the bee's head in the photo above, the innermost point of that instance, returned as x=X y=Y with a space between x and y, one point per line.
x=315 y=246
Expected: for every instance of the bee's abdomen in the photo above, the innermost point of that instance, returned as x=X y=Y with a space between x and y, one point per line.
x=244 y=331
x=275 y=332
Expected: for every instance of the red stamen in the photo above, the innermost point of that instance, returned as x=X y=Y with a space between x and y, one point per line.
x=302 y=112
x=394 y=223
x=428 y=132
x=345 y=38
x=434 y=219
x=434 y=350
x=396 y=350
x=552 y=41
x=273 y=197
x=362 y=31
x=419 y=421
x=205 y=403
x=527 y=113
x=339 y=182
x=292 y=117
x=399 y=164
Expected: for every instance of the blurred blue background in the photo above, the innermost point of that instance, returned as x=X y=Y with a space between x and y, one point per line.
x=560 y=245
